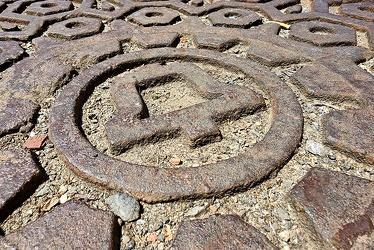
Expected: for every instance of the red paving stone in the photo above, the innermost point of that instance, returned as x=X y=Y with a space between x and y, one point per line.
x=338 y=207
x=219 y=232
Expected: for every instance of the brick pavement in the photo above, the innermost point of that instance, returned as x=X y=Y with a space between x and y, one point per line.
x=81 y=45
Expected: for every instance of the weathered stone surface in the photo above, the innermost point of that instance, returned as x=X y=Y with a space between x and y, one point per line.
x=16 y=113
x=272 y=55
x=48 y=7
x=154 y=16
x=360 y=10
x=19 y=177
x=47 y=70
x=75 y=28
x=72 y=225
x=6 y=245
x=219 y=232
x=337 y=207
x=352 y=132
x=318 y=81
x=323 y=34
x=9 y=52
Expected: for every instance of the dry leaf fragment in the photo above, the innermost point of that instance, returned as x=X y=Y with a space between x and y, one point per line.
x=283 y=25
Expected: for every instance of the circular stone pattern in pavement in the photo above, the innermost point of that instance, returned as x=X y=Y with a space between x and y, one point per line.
x=160 y=184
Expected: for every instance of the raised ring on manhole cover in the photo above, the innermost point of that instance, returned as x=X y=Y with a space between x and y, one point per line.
x=153 y=184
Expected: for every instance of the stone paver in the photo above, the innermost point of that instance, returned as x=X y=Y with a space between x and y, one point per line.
x=72 y=225
x=19 y=177
x=339 y=208
x=294 y=52
x=219 y=232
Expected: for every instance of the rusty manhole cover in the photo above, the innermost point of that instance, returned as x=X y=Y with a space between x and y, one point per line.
x=263 y=109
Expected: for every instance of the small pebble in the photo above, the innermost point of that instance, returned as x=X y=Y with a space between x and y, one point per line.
x=124 y=206
x=283 y=214
x=62 y=189
x=332 y=157
x=156 y=226
x=130 y=245
x=63 y=198
x=286 y=247
x=195 y=211
x=43 y=191
x=125 y=238
x=161 y=237
x=275 y=226
x=175 y=161
x=213 y=208
x=152 y=237
x=345 y=168
x=284 y=236
x=140 y=222
x=315 y=148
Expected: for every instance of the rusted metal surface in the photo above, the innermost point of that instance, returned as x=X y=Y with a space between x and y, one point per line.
x=72 y=225
x=19 y=177
x=219 y=232
x=167 y=184
x=63 y=48
x=336 y=206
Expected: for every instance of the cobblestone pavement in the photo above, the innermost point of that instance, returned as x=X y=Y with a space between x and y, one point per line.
x=234 y=124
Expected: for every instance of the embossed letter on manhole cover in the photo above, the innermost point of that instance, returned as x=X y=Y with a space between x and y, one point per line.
x=131 y=125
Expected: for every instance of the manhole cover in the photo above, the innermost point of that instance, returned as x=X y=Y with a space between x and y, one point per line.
x=198 y=122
